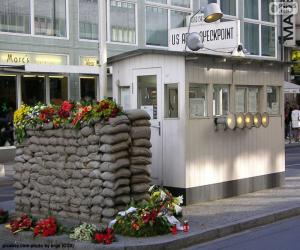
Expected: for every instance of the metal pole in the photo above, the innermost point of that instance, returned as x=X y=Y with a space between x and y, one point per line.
x=102 y=49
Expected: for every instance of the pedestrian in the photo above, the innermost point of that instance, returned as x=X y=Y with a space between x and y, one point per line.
x=296 y=121
x=287 y=120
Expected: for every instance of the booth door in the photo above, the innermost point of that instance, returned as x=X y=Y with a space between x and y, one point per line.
x=147 y=96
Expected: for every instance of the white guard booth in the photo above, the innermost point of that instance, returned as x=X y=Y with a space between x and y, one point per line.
x=184 y=93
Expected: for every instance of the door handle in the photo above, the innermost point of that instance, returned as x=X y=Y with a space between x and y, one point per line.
x=157 y=127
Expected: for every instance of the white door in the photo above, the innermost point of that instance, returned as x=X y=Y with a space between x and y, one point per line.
x=147 y=95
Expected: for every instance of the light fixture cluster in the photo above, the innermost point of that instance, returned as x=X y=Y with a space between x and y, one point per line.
x=241 y=120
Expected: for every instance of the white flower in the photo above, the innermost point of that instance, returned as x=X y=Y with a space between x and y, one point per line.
x=151 y=188
x=178 y=200
x=163 y=195
x=177 y=208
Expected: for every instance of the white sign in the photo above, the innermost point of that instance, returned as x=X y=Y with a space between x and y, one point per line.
x=289 y=28
x=223 y=37
x=283 y=8
x=196 y=20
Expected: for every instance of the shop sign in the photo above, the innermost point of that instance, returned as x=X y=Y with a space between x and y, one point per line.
x=295 y=57
x=89 y=61
x=223 y=36
x=8 y=57
x=289 y=27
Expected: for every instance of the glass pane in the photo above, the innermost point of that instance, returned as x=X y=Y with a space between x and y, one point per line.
x=33 y=89
x=181 y=3
x=252 y=100
x=240 y=97
x=58 y=89
x=125 y=98
x=265 y=13
x=50 y=17
x=251 y=34
x=178 y=19
x=147 y=94
x=267 y=41
x=273 y=100
x=88 y=88
x=205 y=2
x=228 y=7
x=251 y=9
x=171 y=100
x=88 y=19
x=122 y=22
x=197 y=100
x=15 y=16
x=156 y=26
x=158 y=1
x=220 y=100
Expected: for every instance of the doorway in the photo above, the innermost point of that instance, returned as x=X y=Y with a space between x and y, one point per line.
x=88 y=88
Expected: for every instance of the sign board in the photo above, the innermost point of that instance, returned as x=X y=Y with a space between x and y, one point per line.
x=196 y=20
x=223 y=37
x=9 y=57
x=289 y=28
x=88 y=61
x=295 y=57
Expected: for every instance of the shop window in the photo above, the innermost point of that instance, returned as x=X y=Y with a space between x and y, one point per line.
x=50 y=18
x=178 y=19
x=88 y=19
x=198 y=100
x=220 y=100
x=124 y=95
x=273 y=97
x=147 y=94
x=15 y=16
x=251 y=34
x=33 y=89
x=268 y=41
x=228 y=7
x=247 y=99
x=251 y=9
x=58 y=89
x=156 y=26
x=88 y=88
x=181 y=3
x=122 y=22
x=171 y=100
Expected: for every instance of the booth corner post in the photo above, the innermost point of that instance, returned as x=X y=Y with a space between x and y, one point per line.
x=102 y=89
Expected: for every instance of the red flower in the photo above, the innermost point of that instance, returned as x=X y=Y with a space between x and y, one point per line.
x=42 y=116
x=174 y=229
x=66 y=106
x=99 y=237
x=46 y=227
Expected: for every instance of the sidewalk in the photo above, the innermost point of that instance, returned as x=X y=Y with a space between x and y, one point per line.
x=208 y=220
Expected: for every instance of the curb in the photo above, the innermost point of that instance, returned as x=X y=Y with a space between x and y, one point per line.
x=6 y=181
x=291 y=145
x=161 y=242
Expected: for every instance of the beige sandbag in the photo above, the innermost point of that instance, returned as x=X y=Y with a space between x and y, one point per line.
x=142 y=143
x=140 y=160
x=137 y=114
x=113 y=139
x=140 y=132
x=114 y=166
x=108 y=129
x=139 y=188
x=140 y=151
x=107 y=148
x=114 y=156
x=142 y=178
x=140 y=123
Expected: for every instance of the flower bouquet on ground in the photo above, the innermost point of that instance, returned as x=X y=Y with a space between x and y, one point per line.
x=83 y=232
x=47 y=227
x=105 y=236
x=19 y=224
x=155 y=217
x=3 y=216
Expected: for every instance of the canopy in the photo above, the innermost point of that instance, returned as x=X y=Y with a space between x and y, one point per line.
x=291 y=88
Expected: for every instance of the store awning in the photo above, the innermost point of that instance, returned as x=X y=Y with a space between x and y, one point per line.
x=291 y=88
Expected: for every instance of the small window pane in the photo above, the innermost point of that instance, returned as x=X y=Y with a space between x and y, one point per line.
x=265 y=13
x=251 y=33
x=273 y=100
x=178 y=19
x=58 y=89
x=252 y=100
x=171 y=100
x=88 y=19
x=158 y=1
x=197 y=100
x=156 y=26
x=267 y=41
x=88 y=88
x=228 y=7
x=125 y=97
x=205 y=2
x=240 y=97
x=220 y=100
x=122 y=22
x=15 y=16
x=50 y=18
x=251 y=9
x=181 y=3
x=33 y=89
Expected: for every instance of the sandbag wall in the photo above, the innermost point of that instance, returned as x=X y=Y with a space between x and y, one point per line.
x=86 y=174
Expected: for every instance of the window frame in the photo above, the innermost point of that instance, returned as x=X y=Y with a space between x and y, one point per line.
x=278 y=95
x=246 y=103
x=229 y=95
x=206 y=115
x=166 y=94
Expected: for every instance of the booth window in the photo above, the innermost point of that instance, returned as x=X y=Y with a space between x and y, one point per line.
x=265 y=12
x=33 y=89
x=88 y=19
x=122 y=22
x=228 y=7
x=15 y=16
x=171 y=100
x=273 y=100
x=178 y=19
x=181 y=3
x=124 y=97
x=58 y=89
x=247 y=99
x=251 y=33
x=220 y=100
x=198 y=100
x=268 y=41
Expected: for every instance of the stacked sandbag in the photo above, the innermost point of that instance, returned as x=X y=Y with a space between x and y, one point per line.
x=140 y=154
x=115 y=173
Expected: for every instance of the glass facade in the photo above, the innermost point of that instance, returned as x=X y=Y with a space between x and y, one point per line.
x=181 y=3
x=251 y=38
x=50 y=18
x=178 y=19
x=33 y=89
x=251 y=9
x=268 y=40
x=228 y=7
x=58 y=89
x=15 y=16
x=265 y=12
x=122 y=22
x=88 y=19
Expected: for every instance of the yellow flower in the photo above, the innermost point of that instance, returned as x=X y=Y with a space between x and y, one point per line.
x=20 y=114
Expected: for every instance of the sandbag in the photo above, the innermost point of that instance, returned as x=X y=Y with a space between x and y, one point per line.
x=140 y=132
x=107 y=148
x=113 y=139
x=137 y=114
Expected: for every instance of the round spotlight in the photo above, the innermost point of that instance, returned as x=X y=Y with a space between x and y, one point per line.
x=240 y=120
x=212 y=13
x=231 y=121
x=194 y=41
x=249 y=120
x=257 y=120
x=265 y=119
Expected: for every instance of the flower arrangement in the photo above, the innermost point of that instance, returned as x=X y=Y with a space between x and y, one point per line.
x=19 y=224
x=46 y=227
x=106 y=236
x=156 y=217
x=68 y=113
x=83 y=232
x=3 y=216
